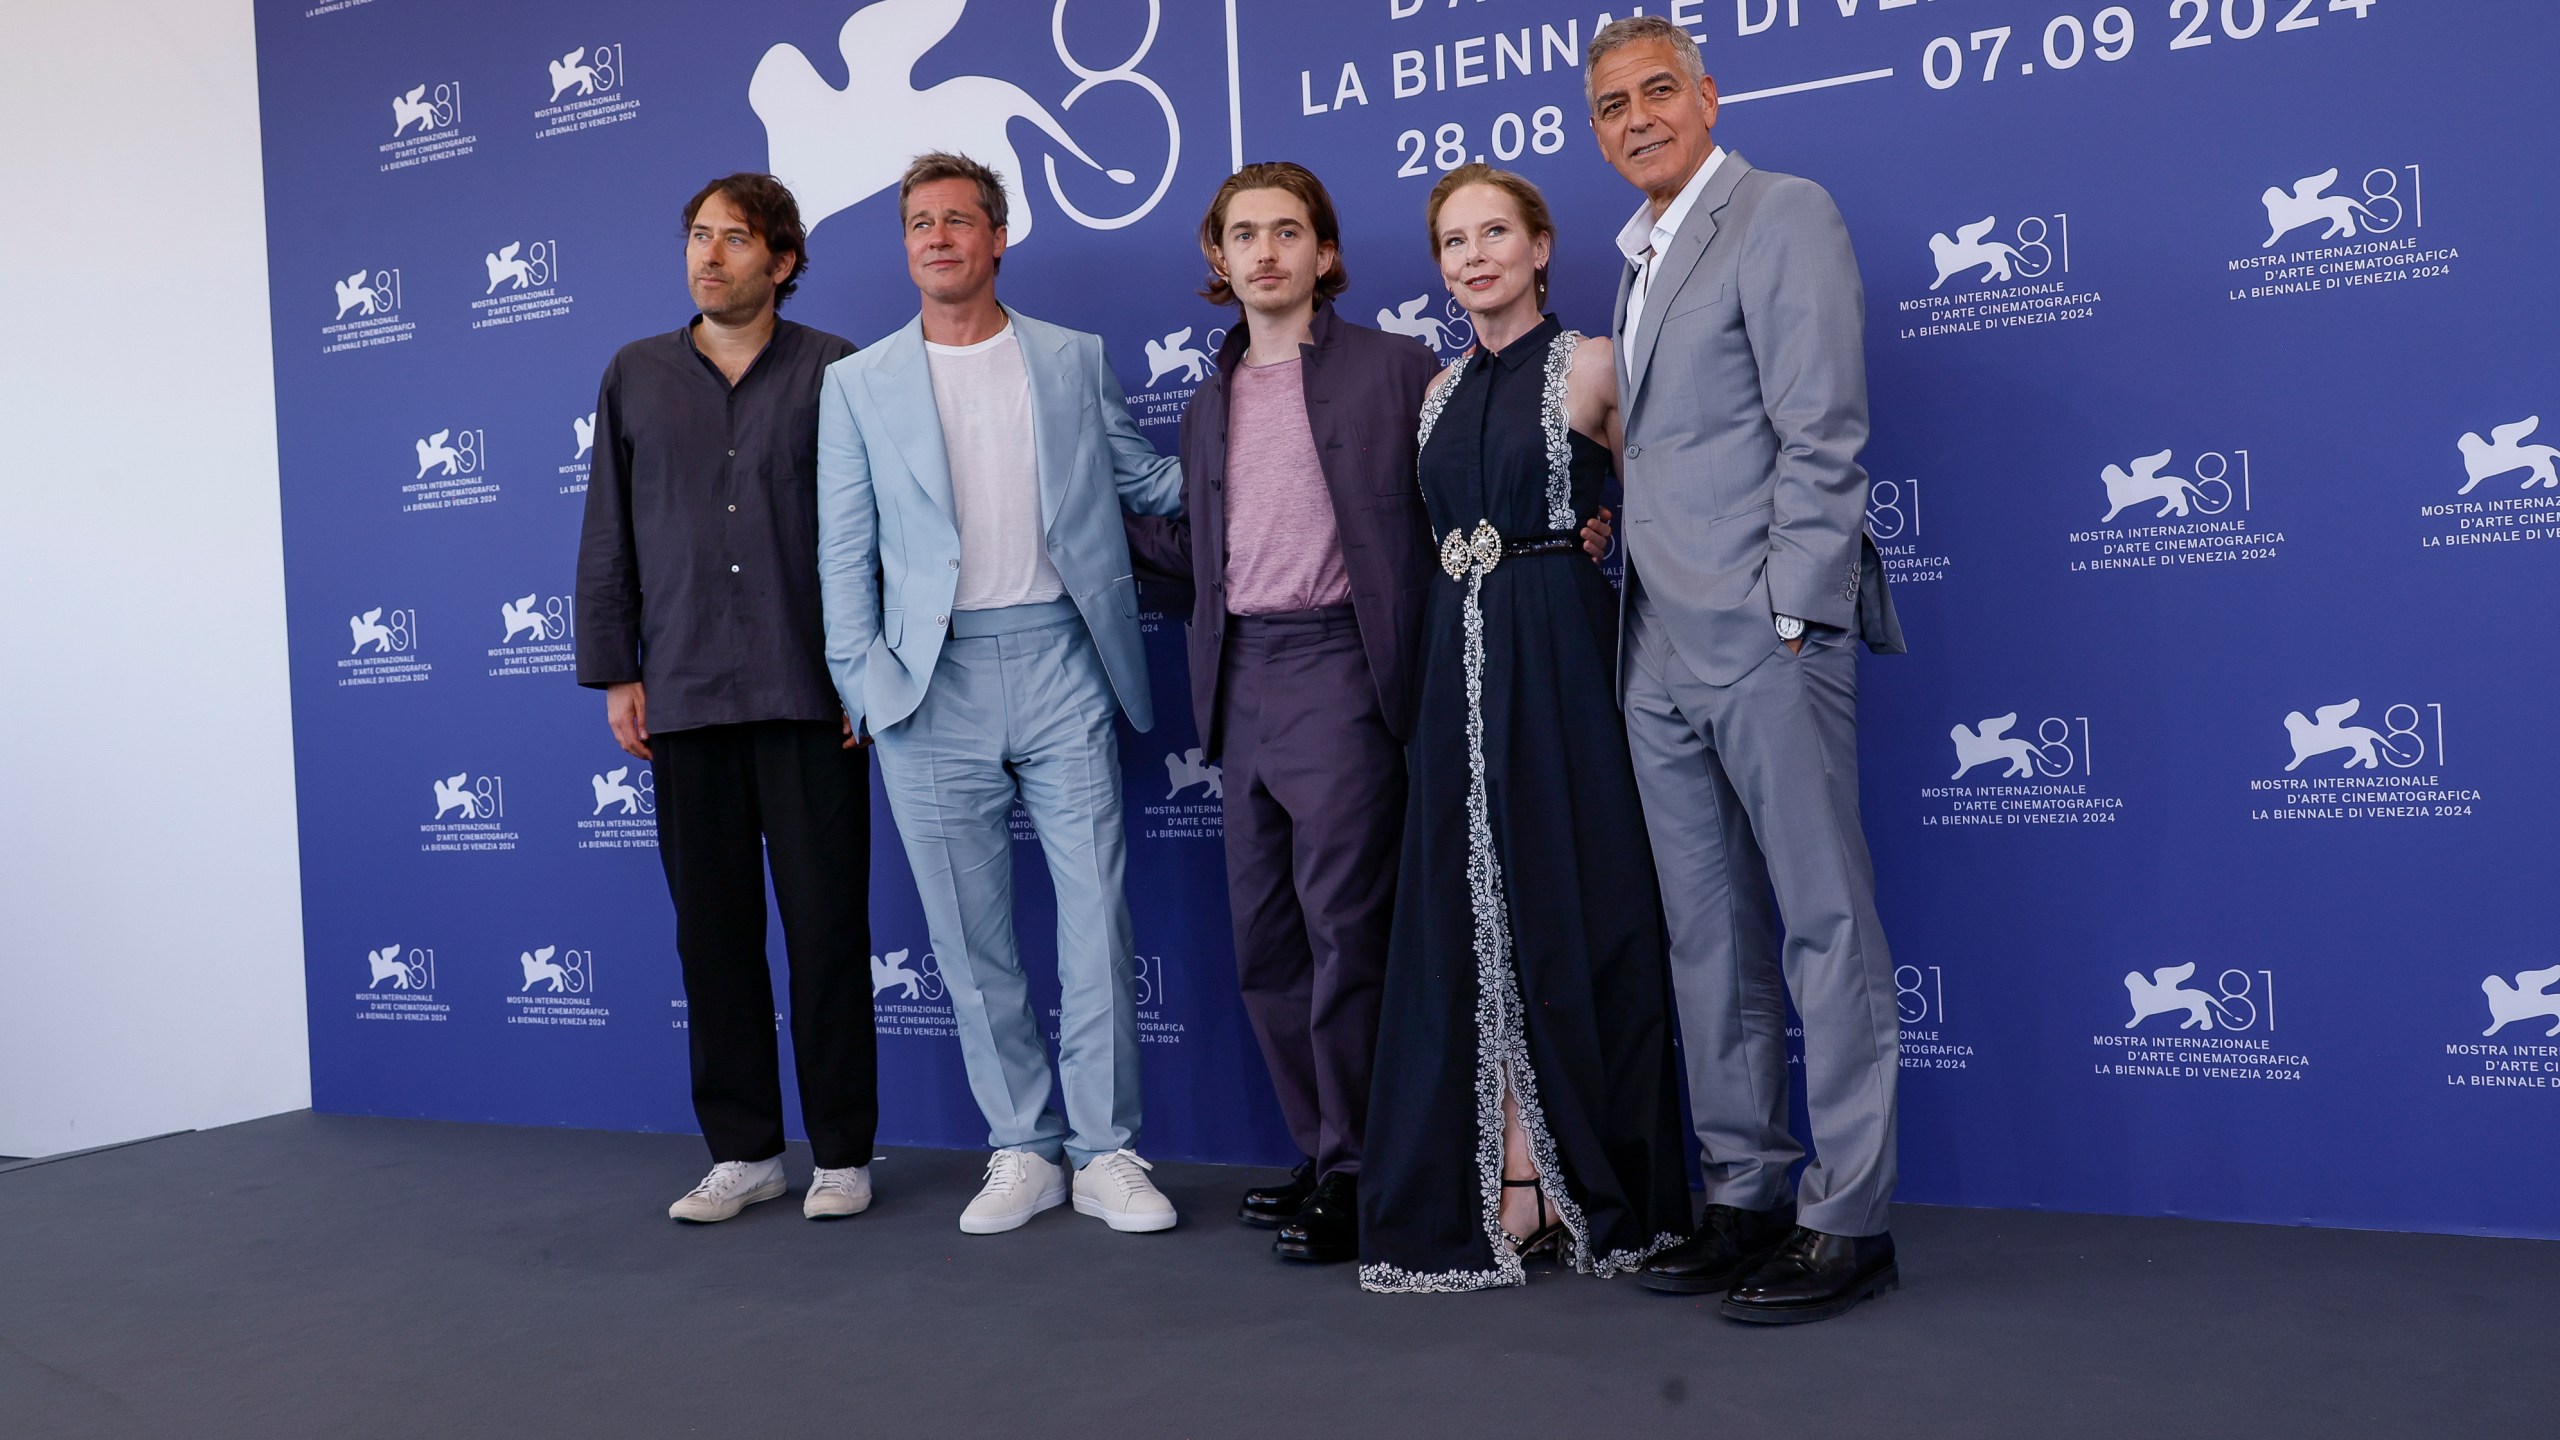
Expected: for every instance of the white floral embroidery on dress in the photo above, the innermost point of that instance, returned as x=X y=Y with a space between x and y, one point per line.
x=1556 y=417
x=1437 y=399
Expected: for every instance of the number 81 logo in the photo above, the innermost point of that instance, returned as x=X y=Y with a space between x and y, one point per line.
x=1147 y=979
x=1893 y=509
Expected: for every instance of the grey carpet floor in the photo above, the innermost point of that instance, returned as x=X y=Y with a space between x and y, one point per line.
x=315 y=1275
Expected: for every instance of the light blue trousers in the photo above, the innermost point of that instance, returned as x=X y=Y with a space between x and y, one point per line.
x=1019 y=709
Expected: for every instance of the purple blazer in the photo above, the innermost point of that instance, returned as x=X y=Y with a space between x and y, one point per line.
x=1364 y=405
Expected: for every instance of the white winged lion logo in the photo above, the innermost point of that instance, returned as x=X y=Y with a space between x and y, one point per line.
x=454 y=793
x=2528 y=998
x=1191 y=768
x=1990 y=742
x=435 y=454
x=1176 y=352
x=2504 y=452
x=567 y=71
x=2167 y=991
x=413 y=108
x=1969 y=249
x=2305 y=204
x=613 y=788
x=369 y=630
x=523 y=618
x=891 y=972
x=837 y=147
x=2329 y=731
x=355 y=294
x=1431 y=330
x=539 y=967
x=2144 y=483
x=504 y=265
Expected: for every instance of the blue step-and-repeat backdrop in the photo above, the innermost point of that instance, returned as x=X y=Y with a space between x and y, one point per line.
x=2210 y=344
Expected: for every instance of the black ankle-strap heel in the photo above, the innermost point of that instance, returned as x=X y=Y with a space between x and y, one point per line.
x=1548 y=1238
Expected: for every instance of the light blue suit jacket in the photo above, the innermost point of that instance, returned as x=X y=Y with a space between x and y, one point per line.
x=889 y=540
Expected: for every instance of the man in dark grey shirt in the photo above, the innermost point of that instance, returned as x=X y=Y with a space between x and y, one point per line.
x=699 y=618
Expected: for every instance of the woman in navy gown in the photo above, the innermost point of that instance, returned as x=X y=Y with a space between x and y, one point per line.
x=1525 y=1100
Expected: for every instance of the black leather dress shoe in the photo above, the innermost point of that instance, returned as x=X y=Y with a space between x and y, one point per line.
x=1730 y=1244
x=1815 y=1276
x=1271 y=1206
x=1326 y=1230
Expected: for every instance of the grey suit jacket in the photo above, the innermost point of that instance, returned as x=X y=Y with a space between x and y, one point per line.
x=1744 y=393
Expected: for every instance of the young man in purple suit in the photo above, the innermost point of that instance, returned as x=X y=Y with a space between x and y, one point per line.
x=1305 y=542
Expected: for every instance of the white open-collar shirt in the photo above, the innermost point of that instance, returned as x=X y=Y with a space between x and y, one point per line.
x=1645 y=238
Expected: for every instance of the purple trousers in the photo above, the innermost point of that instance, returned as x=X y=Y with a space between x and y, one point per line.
x=1314 y=788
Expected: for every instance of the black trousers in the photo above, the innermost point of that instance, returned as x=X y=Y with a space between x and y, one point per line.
x=730 y=799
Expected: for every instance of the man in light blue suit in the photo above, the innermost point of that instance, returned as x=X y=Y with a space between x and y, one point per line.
x=982 y=623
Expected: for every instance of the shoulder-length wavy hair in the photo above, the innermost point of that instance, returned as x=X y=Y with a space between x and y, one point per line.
x=1297 y=180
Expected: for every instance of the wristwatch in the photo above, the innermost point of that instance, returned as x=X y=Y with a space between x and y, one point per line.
x=1790 y=628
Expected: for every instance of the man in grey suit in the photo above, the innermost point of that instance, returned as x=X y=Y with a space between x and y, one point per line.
x=982 y=622
x=1743 y=386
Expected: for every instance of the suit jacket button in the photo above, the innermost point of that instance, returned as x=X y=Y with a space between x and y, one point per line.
x=1634 y=450
x=941 y=619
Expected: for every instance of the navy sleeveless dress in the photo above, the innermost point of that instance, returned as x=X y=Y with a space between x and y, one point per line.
x=1528 y=946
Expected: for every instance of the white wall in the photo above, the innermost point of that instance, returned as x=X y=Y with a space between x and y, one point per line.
x=150 y=903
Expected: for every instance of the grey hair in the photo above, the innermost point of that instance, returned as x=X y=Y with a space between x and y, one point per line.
x=1636 y=28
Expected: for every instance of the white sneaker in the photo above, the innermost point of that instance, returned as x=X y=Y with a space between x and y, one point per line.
x=732 y=1186
x=834 y=1194
x=1116 y=1188
x=1019 y=1186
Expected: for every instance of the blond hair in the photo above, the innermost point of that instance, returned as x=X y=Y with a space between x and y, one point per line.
x=1523 y=193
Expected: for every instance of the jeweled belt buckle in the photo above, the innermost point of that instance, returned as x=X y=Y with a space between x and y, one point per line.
x=1462 y=554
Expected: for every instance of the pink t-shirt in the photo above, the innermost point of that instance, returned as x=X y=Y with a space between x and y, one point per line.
x=1284 y=551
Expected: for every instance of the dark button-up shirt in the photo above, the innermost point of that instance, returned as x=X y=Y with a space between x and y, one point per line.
x=698 y=562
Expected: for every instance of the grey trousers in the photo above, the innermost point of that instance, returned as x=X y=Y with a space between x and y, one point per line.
x=1750 y=791
x=1019 y=708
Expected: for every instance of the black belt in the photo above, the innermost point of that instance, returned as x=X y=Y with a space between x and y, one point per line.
x=1553 y=543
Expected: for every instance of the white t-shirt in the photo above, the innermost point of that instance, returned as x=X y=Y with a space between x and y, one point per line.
x=983 y=395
